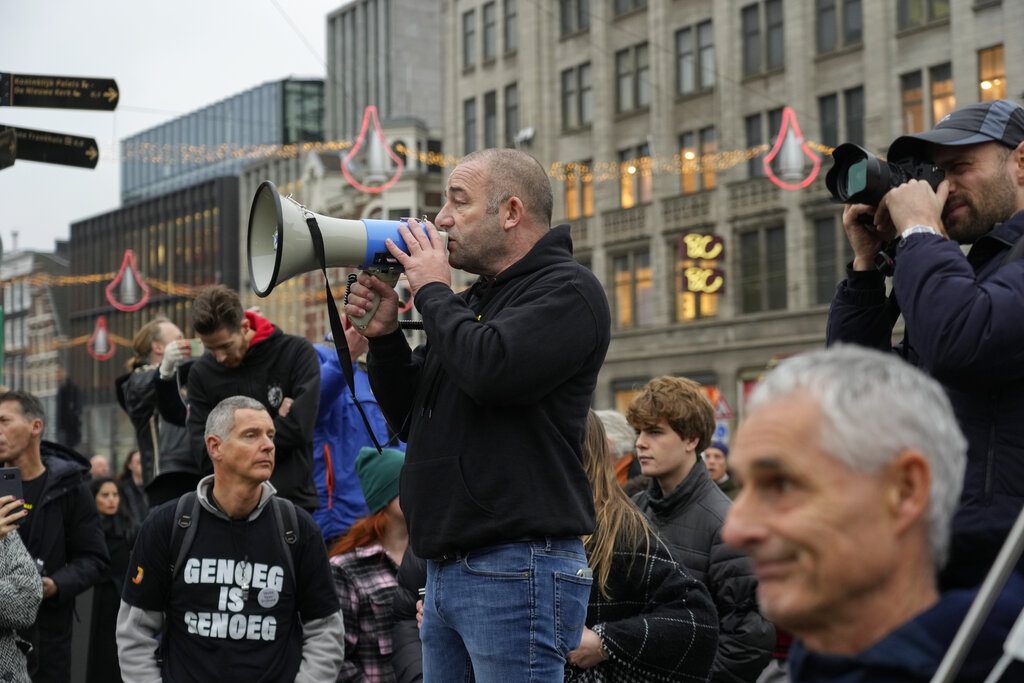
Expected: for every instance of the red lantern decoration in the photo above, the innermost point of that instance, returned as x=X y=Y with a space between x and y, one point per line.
x=132 y=290
x=100 y=346
x=793 y=152
x=375 y=145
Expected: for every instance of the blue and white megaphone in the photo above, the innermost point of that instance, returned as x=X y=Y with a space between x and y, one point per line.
x=281 y=247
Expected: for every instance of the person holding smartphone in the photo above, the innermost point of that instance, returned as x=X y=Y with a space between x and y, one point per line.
x=61 y=530
x=20 y=590
x=169 y=467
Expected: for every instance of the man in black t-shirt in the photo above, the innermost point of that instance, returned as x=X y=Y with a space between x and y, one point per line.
x=232 y=609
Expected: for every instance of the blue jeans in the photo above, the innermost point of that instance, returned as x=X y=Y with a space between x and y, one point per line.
x=505 y=613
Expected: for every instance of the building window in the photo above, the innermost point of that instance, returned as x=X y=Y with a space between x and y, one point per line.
x=510 y=29
x=911 y=13
x=750 y=21
x=635 y=184
x=632 y=76
x=776 y=37
x=511 y=113
x=625 y=6
x=756 y=136
x=579 y=190
x=852 y=117
x=697 y=159
x=853 y=22
x=577 y=97
x=991 y=74
x=708 y=156
x=695 y=63
x=835 y=19
x=763 y=270
x=490 y=119
x=469 y=39
x=690 y=271
x=634 y=289
x=574 y=16
x=832 y=252
x=853 y=104
x=912 y=99
x=828 y=114
x=943 y=99
x=469 y=125
x=767 y=54
x=490 y=36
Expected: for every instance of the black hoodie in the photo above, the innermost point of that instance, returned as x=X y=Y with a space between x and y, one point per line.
x=493 y=406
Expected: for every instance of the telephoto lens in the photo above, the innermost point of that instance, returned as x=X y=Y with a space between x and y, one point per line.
x=859 y=177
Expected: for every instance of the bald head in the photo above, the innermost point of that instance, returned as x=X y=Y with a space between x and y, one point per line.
x=512 y=173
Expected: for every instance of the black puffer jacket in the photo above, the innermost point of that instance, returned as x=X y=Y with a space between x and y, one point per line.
x=690 y=519
x=164 y=446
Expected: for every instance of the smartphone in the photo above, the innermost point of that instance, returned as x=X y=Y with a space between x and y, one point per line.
x=196 y=347
x=10 y=483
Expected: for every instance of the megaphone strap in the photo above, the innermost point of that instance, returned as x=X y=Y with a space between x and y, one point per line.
x=337 y=331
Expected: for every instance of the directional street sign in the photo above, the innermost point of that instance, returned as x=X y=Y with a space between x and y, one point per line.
x=8 y=146
x=56 y=148
x=62 y=92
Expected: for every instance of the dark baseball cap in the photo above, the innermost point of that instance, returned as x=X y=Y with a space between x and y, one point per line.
x=996 y=121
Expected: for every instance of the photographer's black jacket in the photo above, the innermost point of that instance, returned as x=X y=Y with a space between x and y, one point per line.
x=493 y=406
x=965 y=327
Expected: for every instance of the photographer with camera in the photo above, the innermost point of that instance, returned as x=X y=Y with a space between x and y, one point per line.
x=964 y=315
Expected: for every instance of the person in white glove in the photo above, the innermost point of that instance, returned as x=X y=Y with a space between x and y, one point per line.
x=175 y=353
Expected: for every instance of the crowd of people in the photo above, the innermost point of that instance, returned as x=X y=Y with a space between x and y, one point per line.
x=362 y=510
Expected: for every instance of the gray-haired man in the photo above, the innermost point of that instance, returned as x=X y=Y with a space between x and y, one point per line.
x=246 y=588
x=852 y=463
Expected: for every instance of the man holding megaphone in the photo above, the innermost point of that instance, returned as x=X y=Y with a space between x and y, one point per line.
x=493 y=409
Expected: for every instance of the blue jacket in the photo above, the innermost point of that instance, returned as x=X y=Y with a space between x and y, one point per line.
x=912 y=652
x=337 y=437
x=965 y=327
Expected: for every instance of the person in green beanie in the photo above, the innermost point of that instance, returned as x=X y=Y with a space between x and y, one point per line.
x=365 y=563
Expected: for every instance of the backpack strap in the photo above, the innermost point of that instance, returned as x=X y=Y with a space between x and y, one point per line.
x=288 y=530
x=186 y=519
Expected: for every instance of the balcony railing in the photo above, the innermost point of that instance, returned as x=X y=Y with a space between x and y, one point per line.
x=686 y=209
x=624 y=224
x=581 y=234
x=753 y=196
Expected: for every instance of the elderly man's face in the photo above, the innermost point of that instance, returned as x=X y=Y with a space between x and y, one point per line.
x=817 y=532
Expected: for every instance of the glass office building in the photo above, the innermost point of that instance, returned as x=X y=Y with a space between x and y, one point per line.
x=220 y=139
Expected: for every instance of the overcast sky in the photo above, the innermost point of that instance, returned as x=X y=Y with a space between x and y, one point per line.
x=168 y=58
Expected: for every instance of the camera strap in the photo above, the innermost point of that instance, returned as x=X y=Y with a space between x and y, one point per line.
x=337 y=331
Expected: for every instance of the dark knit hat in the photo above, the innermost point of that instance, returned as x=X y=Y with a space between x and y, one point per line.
x=378 y=476
x=720 y=445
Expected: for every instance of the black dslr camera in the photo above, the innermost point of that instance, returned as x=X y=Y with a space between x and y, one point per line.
x=859 y=177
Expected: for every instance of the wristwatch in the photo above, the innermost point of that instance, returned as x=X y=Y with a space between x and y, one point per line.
x=919 y=230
